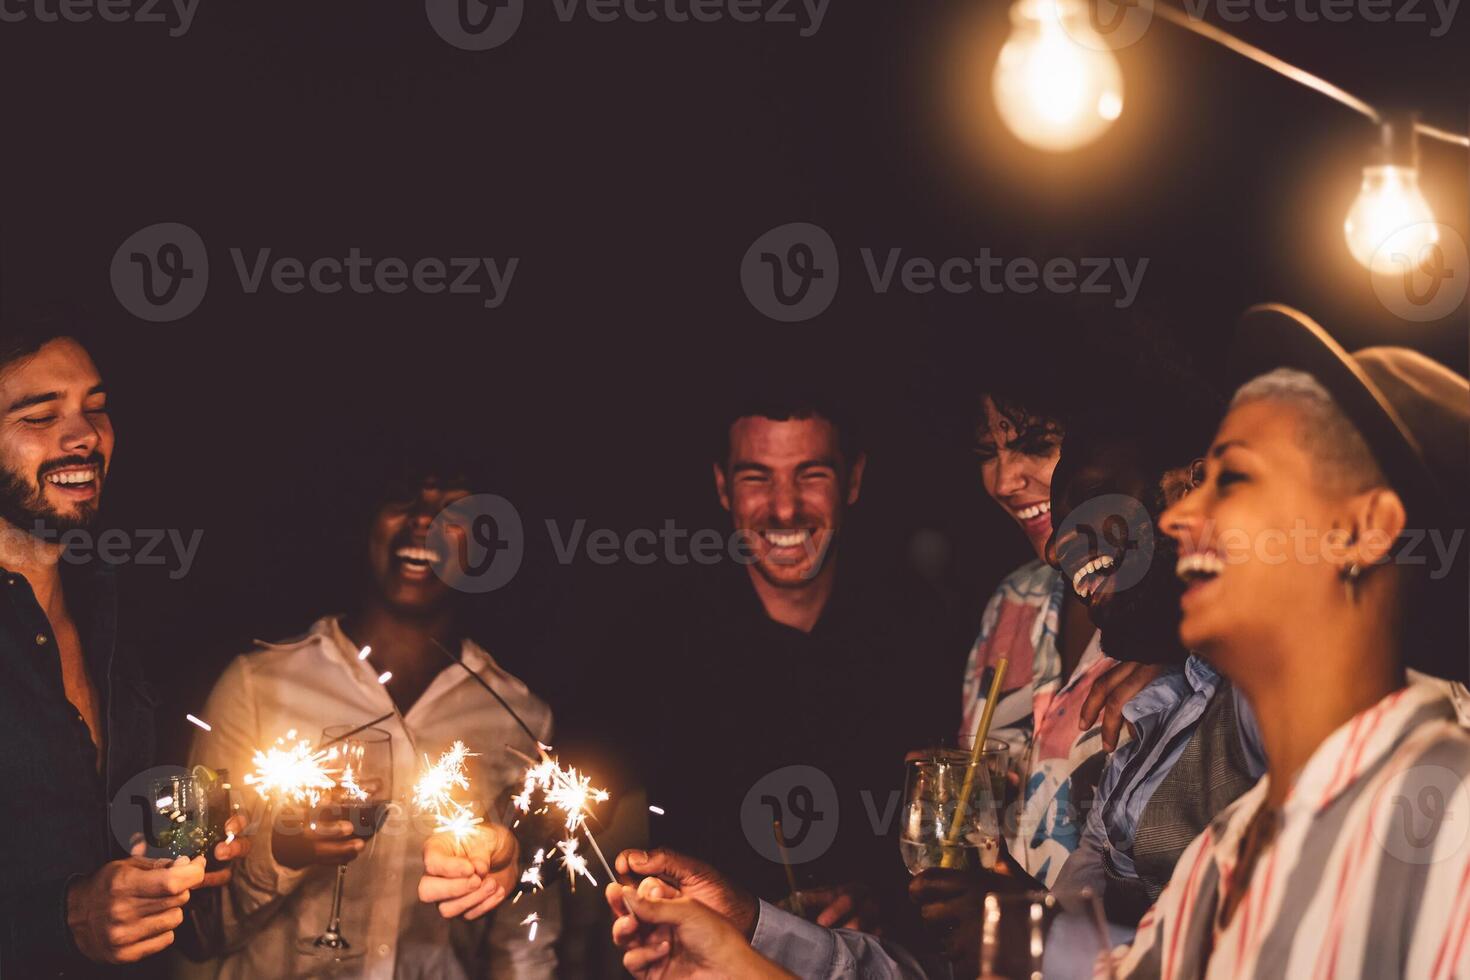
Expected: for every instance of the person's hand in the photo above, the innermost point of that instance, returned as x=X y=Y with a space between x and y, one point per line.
x=1110 y=692
x=849 y=906
x=224 y=852
x=668 y=936
x=695 y=880
x=471 y=877
x=128 y=910
x=953 y=904
x=325 y=842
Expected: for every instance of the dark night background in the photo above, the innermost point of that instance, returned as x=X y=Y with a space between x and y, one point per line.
x=629 y=166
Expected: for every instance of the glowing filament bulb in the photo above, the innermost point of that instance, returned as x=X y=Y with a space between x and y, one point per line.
x=1056 y=83
x=1390 y=227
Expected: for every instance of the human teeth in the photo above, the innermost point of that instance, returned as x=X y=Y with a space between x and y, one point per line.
x=71 y=476
x=1035 y=510
x=417 y=554
x=786 y=539
x=1200 y=563
x=1098 y=564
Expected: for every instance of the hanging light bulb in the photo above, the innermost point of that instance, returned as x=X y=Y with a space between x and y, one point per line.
x=1057 y=84
x=1390 y=228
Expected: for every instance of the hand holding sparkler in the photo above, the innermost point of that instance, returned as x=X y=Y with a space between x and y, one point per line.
x=469 y=865
x=665 y=935
x=294 y=772
x=469 y=874
x=696 y=880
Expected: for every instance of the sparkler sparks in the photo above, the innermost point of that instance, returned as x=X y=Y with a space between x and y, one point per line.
x=292 y=769
x=575 y=863
x=198 y=721
x=364 y=653
x=531 y=920
x=572 y=794
x=385 y=677
x=434 y=792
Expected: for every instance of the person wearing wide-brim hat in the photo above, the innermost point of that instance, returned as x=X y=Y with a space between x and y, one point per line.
x=1324 y=554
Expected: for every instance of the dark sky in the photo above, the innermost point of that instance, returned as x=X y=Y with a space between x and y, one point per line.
x=628 y=167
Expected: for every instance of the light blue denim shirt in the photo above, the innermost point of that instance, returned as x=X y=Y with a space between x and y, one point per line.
x=811 y=951
x=1163 y=716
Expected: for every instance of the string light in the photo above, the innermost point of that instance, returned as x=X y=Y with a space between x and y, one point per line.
x=1390 y=228
x=1057 y=85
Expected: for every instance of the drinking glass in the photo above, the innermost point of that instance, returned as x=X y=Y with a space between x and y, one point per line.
x=951 y=813
x=362 y=763
x=180 y=815
x=1036 y=935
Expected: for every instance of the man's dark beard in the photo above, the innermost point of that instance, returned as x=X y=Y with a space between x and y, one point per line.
x=1141 y=623
x=23 y=505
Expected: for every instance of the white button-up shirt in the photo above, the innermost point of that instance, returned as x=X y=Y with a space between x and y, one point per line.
x=317 y=681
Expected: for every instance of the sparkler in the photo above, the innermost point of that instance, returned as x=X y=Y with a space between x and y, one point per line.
x=562 y=788
x=572 y=793
x=292 y=769
x=434 y=793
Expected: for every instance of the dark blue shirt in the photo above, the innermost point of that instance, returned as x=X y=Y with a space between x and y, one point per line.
x=53 y=798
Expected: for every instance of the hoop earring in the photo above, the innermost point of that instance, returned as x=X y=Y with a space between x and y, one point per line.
x=1351 y=575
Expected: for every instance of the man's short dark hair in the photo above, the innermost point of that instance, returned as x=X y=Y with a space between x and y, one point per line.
x=24 y=330
x=784 y=403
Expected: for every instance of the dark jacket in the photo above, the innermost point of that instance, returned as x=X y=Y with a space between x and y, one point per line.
x=54 y=801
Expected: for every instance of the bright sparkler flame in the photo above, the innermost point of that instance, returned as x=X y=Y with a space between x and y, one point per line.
x=531 y=920
x=568 y=791
x=292 y=770
x=434 y=792
x=435 y=788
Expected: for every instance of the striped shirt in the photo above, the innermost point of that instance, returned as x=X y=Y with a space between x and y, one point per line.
x=1059 y=765
x=1369 y=873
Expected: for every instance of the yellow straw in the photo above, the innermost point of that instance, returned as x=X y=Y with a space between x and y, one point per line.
x=949 y=858
x=797 y=905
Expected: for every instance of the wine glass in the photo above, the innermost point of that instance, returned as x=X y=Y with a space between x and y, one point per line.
x=362 y=762
x=1031 y=935
x=951 y=813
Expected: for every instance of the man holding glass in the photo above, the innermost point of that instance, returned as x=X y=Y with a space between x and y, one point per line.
x=292 y=910
x=76 y=717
